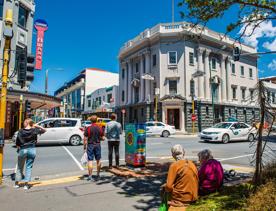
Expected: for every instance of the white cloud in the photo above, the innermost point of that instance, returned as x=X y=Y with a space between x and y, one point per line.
x=270 y=46
x=265 y=29
x=272 y=65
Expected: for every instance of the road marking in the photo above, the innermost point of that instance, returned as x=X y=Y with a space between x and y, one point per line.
x=56 y=181
x=10 y=169
x=74 y=158
x=233 y=158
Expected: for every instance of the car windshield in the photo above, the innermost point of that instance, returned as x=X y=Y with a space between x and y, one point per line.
x=222 y=125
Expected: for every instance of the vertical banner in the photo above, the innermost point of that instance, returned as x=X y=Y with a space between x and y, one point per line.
x=135 y=145
x=41 y=26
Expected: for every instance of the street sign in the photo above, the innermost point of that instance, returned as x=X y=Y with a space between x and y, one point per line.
x=193 y=117
x=123 y=111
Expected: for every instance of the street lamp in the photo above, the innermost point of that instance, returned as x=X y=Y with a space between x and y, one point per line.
x=46 y=77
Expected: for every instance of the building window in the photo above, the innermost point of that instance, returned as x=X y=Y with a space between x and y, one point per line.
x=229 y=112
x=142 y=111
x=123 y=73
x=250 y=73
x=242 y=70
x=123 y=96
x=136 y=95
x=243 y=94
x=191 y=59
x=144 y=65
x=214 y=63
x=89 y=103
x=251 y=95
x=172 y=57
x=22 y=16
x=109 y=97
x=233 y=68
x=173 y=87
x=137 y=67
x=154 y=60
x=207 y=111
x=268 y=97
x=234 y=92
x=1 y=8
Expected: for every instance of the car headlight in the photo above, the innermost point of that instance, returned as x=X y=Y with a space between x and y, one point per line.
x=215 y=133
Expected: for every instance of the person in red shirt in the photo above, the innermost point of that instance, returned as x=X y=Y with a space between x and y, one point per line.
x=93 y=136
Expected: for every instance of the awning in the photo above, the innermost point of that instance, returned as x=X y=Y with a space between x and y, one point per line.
x=38 y=100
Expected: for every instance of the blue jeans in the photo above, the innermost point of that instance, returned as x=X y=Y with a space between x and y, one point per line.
x=26 y=156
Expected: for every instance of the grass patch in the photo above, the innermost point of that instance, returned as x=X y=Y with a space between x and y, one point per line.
x=229 y=198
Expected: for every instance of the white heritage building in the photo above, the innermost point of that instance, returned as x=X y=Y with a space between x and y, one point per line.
x=161 y=62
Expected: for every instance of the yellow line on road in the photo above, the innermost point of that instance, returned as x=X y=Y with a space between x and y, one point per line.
x=56 y=181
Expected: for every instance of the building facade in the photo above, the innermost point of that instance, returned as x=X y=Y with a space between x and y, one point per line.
x=163 y=67
x=74 y=93
x=102 y=101
x=23 y=19
x=270 y=84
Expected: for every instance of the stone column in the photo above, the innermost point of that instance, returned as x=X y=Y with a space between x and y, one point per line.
x=223 y=78
x=147 y=91
x=228 y=85
x=200 y=78
x=129 y=86
x=142 y=97
x=207 y=86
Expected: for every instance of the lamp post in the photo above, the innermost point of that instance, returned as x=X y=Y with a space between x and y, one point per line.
x=46 y=77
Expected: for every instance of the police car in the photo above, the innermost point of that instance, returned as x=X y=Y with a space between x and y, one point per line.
x=228 y=131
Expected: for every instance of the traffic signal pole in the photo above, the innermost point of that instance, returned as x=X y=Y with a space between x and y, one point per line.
x=20 y=111
x=193 y=111
x=5 y=72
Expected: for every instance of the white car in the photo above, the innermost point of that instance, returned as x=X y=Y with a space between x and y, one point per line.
x=86 y=123
x=60 y=130
x=159 y=128
x=228 y=131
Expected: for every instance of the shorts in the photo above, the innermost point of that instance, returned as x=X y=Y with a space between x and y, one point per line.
x=93 y=150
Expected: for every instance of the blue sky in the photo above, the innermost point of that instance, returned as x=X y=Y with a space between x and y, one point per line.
x=89 y=33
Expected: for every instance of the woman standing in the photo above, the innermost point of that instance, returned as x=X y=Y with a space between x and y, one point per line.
x=210 y=173
x=25 y=143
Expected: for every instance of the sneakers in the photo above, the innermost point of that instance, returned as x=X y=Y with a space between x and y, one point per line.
x=89 y=178
x=26 y=187
x=16 y=186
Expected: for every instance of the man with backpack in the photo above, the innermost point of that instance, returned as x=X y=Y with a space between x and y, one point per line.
x=93 y=136
x=113 y=130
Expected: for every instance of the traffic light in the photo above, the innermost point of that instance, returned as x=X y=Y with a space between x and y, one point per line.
x=236 y=54
x=30 y=68
x=28 y=108
x=22 y=67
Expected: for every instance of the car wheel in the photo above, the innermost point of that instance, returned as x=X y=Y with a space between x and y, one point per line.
x=250 y=137
x=225 y=138
x=75 y=140
x=165 y=134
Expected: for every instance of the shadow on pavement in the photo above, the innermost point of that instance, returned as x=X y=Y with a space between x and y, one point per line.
x=147 y=186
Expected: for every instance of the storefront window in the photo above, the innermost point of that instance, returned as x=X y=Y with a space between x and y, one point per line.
x=1 y=8
x=22 y=16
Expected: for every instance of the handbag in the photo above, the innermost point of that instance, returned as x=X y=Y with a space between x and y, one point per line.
x=164 y=204
x=84 y=159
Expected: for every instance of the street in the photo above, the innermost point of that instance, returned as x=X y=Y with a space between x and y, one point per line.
x=57 y=159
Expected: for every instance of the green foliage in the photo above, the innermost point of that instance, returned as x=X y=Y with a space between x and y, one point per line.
x=250 y=11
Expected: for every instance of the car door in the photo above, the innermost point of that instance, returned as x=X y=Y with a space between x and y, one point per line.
x=244 y=131
x=236 y=131
x=49 y=135
x=65 y=129
x=149 y=128
x=159 y=128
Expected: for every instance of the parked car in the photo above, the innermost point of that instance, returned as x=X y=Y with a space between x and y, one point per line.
x=86 y=123
x=159 y=128
x=228 y=131
x=60 y=130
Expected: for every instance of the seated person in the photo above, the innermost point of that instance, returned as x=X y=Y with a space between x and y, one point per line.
x=210 y=173
x=182 y=181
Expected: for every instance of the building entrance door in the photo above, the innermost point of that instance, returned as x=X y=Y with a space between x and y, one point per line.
x=173 y=118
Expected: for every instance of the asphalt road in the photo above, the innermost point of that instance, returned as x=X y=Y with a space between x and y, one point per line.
x=57 y=159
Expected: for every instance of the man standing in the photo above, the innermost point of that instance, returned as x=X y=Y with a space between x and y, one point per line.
x=113 y=130
x=93 y=136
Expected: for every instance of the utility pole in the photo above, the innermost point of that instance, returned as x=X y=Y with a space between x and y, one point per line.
x=172 y=13
x=20 y=111
x=8 y=34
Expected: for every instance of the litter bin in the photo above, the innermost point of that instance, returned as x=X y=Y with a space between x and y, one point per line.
x=135 y=145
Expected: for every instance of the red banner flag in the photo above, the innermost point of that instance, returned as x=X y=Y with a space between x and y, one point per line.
x=41 y=26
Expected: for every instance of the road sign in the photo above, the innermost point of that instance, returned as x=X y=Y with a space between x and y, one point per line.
x=193 y=117
x=123 y=111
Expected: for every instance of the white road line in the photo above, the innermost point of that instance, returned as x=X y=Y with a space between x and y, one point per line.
x=73 y=157
x=233 y=158
x=10 y=169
